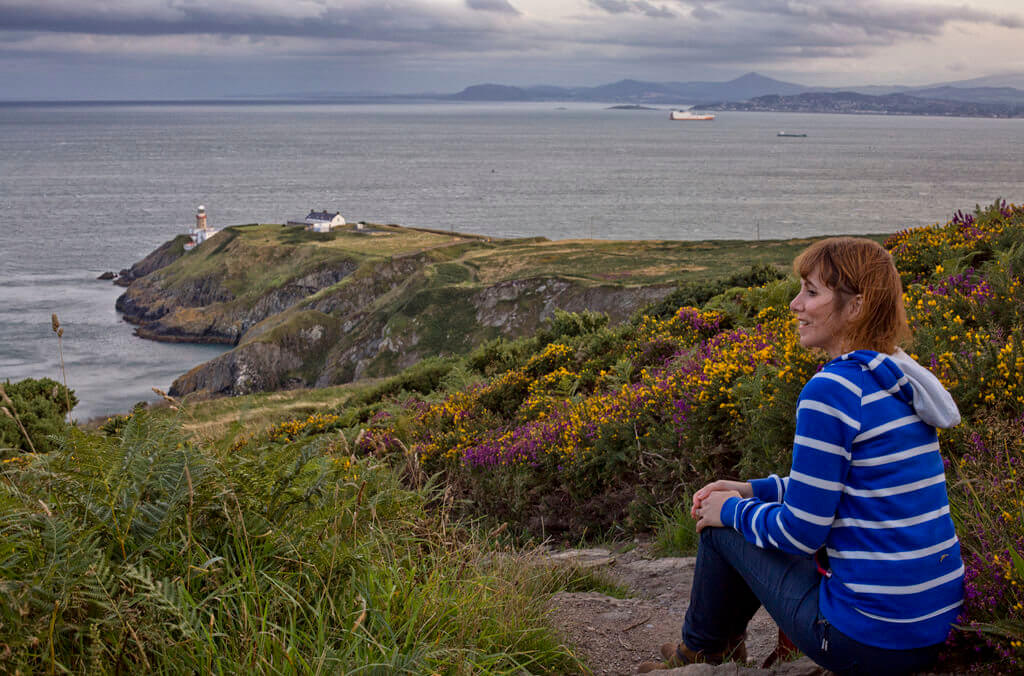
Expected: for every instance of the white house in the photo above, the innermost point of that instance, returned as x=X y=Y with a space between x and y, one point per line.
x=321 y=221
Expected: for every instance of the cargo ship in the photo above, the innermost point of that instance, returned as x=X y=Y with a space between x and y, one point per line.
x=687 y=115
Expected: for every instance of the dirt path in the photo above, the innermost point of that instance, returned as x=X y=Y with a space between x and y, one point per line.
x=615 y=635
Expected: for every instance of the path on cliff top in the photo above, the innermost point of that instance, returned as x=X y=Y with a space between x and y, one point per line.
x=616 y=635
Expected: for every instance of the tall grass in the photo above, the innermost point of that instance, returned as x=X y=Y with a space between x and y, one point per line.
x=143 y=551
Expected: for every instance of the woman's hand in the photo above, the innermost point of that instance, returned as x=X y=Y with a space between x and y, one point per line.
x=710 y=511
x=743 y=488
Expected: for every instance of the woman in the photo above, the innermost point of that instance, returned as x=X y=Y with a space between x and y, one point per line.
x=853 y=554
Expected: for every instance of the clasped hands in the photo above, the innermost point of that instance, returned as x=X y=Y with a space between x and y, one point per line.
x=708 y=501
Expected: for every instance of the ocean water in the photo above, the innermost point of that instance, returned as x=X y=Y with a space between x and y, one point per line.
x=89 y=188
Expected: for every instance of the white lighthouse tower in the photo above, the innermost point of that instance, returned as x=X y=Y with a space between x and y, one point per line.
x=201 y=232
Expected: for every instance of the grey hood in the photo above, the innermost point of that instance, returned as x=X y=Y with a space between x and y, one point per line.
x=932 y=402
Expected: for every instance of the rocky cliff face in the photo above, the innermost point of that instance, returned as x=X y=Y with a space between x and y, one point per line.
x=224 y=287
x=205 y=311
x=316 y=349
x=315 y=310
x=163 y=256
x=290 y=348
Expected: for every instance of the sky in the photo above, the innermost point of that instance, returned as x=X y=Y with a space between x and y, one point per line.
x=166 y=49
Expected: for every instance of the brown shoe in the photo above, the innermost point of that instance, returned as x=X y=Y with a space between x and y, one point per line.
x=679 y=655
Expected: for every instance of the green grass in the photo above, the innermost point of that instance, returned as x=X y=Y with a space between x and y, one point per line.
x=213 y=419
x=147 y=552
x=676 y=532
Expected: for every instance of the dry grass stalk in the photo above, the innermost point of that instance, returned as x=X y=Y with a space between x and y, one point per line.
x=59 y=330
x=412 y=465
x=343 y=443
x=362 y=615
x=174 y=403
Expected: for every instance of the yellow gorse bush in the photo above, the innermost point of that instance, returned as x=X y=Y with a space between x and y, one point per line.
x=292 y=429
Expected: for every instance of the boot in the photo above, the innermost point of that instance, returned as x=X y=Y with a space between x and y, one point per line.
x=679 y=655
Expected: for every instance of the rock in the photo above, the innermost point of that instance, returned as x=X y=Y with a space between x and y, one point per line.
x=161 y=257
x=107 y=275
x=584 y=558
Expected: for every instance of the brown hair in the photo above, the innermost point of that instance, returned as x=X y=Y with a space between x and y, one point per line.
x=852 y=266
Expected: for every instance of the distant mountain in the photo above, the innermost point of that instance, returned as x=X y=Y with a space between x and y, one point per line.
x=1015 y=80
x=637 y=91
x=990 y=96
x=853 y=102
x=972 y=94
x=491 y=92
x=750 y=85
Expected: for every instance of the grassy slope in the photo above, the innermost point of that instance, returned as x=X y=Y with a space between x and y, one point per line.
x=466 y=264
x=252 y=259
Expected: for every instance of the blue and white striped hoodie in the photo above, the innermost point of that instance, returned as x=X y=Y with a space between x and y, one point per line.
x=867 y=484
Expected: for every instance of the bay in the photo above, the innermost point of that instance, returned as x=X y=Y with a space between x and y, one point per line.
x=89 y=188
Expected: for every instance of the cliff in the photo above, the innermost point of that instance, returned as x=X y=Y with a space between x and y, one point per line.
x=306 y=309
x=164 y=255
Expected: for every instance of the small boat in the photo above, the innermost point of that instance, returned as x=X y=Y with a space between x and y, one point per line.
x=687 y=115
x=787 y=134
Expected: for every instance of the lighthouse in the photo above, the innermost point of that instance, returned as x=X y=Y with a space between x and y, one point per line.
x=201 y=232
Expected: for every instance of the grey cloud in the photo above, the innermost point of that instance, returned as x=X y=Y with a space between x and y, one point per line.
x=653 y=11
x=613 y=6
x=871 y=16
x=419 y=34
x=396 y=21
x=702 y=13
x=493 y=6
x=633 y=6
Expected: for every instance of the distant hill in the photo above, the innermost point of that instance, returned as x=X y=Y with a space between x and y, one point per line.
x=491 y=92
x=1015 y=80
x=637 y=91
x=943 y=99
x=853 y=102
x=972 y=94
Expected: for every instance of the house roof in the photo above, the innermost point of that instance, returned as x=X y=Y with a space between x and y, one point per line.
x=321 y=216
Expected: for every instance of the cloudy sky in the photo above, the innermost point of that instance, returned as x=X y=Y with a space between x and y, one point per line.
x=70 y=49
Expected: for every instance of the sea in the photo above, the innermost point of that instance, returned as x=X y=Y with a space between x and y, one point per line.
x=87 y=188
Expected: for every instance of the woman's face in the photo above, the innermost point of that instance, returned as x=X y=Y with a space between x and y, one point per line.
x=820 y=323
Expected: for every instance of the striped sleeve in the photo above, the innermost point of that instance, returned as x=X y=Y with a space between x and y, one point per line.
x=796 y=516
x=770 y=489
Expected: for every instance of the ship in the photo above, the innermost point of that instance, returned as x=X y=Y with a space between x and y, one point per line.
x=688 y=115
x=788 y=134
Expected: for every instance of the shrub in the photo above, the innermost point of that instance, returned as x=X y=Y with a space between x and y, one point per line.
x=564 y=324
x=143 y=552
x=37 y=408
x=500 y=354
x=696 y=294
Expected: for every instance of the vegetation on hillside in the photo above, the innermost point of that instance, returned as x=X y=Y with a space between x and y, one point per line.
x=335 y=537
x=32 y=413
x=141 y=550
x=587 y=428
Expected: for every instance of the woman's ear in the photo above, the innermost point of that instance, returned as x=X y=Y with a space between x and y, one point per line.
x=854 y=306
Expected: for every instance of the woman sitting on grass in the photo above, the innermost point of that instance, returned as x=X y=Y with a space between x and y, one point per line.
x=853 y=554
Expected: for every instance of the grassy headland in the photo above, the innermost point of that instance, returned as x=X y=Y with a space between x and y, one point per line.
x=328 y=531
x=588 y=428
x=315 y=309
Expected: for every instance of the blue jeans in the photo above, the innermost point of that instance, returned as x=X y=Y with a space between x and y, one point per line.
x=734 y=578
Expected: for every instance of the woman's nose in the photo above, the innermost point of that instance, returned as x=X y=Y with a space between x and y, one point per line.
x=793 y=303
